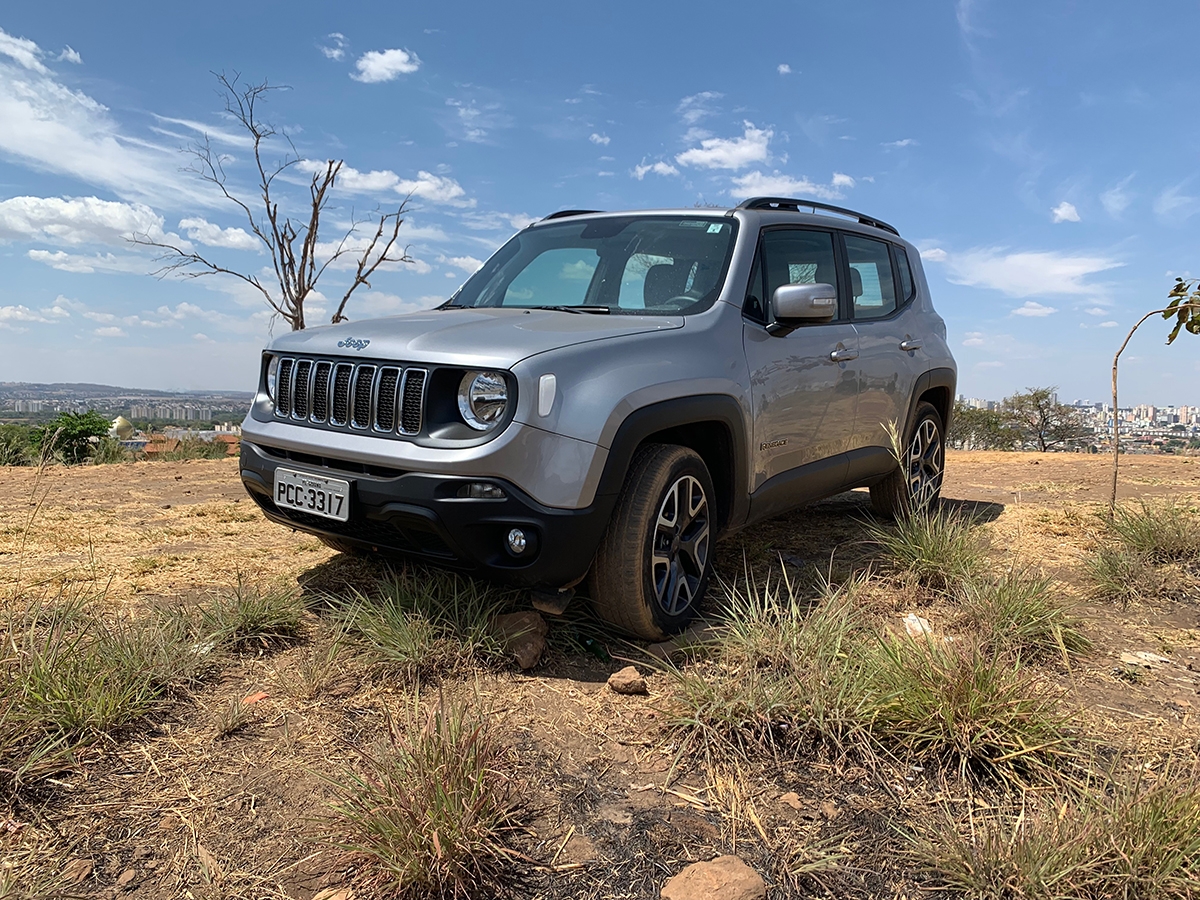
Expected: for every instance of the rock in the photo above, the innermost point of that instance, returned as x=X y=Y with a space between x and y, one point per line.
x=523 y=634
x=1144 y=659
x=916 y=626
x=126 y=878
x=76 y=871
x=628 y=681
x=725 y=878
x=830 y=810
x=792 y=799
x=335 y=894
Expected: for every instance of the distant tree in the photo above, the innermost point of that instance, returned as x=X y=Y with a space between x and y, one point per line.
x=297 y=257
x=15 y=445
x=981 y=429
x=71 y=436
x=1183 y=305
x=1042 y=419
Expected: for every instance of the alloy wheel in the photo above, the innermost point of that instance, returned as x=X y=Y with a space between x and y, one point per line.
x=925 y=464
x=681 y=545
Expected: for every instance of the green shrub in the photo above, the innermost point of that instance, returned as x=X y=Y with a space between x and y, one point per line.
x=433 y=808
x=938 y=547
x=71 y=437
x=1024 y=613
x=109 y=450
x=16 y=446
x=1136 y=838
x=195 y=448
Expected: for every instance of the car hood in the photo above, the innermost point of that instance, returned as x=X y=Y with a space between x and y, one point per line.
x=497 y=338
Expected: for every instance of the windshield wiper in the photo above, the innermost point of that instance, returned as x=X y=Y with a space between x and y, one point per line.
x=598 y=310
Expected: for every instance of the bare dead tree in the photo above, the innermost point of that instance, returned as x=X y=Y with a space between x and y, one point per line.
x=293 y=246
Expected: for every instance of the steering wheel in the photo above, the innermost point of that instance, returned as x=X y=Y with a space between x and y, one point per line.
x=679 y=301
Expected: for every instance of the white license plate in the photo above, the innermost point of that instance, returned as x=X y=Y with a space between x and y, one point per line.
x=313 y=494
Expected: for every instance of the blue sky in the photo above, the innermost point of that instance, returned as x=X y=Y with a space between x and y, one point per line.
x=1044 y=157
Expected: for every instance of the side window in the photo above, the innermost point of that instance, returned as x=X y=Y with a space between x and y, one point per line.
x=906 y=279
x=792 y=256
x=871 y=282
x=554 y=278
x=755 y=306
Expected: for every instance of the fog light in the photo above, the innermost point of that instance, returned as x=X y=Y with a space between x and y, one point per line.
x=517 y=541
x=481 y=490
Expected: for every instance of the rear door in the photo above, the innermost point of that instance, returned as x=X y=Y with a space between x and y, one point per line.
x=889 y=336
x=804 y=382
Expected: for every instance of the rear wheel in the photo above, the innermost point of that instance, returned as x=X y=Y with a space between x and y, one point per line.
x=916 y=484
x=654 y=562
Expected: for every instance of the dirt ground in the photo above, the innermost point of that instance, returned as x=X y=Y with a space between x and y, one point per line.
x=194 y=816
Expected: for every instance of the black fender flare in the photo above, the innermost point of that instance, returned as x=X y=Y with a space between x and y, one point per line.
x=720 y=409
x=934 y=378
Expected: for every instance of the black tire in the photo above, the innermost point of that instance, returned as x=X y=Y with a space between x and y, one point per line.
x=916 y=484
x=342 y=546
x=655 y=559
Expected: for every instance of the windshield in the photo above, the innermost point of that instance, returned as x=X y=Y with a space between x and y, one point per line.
x=631 y=265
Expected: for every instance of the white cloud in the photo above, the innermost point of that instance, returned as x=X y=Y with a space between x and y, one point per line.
x=80 y=220
x=474 y=123
x=210 y=132
x=1109 y=324
x=1065 y=212
x=1024 y=273
x=658 y=168
x=776 y=184
x=71 y=55
x=783 y=69
x=729 y=153
x=698 y=106
x=1172 y=203
x=22 y=51
x=110 y=331
x=435 y=188
x=376 y=66
x=974 y=339
x=468 y=264
x=897 y=145
x=1117 y=198
x=48 y=126
x=205 y=232
x=601 y=139
x=1097 y=311
x=81 y=264
x=496 y=221
x=1034 y=309
x=10 y=314
x=336 y=48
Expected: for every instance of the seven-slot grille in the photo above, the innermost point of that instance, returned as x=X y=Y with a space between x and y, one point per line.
x=354 y=396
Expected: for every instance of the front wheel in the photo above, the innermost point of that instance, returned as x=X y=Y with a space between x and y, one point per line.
x=916 y=484
x=654 y=561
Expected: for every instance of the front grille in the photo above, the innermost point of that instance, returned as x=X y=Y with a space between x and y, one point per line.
x=352 y=396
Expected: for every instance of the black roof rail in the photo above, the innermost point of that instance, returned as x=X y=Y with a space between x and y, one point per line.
x=793 y=204
x=567 y=213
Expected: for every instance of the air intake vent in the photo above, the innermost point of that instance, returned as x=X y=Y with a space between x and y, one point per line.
x=301 y=393
x=320 y=392
x=364 y=381
x=283 y=388
x=341 y=394
x=413 y=404
x=385 y=403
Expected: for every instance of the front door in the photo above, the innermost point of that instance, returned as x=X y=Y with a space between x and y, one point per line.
x=804 y=382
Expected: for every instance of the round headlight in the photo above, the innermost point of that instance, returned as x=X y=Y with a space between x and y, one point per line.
x=482 y=399
x=272 y=377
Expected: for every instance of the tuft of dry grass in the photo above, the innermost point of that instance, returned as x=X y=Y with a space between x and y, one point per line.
x=1023 y=612
x=1136 y=838
x=432 y=808
x=252 y=614
x=936 y=547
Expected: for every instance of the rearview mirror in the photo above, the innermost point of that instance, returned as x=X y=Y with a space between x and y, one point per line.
x=804 y=301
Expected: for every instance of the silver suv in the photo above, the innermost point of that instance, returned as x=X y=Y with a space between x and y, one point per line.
x=608 y=395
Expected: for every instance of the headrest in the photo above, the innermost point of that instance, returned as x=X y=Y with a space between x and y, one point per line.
x=856 y=288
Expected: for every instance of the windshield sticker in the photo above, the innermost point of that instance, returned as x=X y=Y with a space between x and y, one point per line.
x=716 y=228
x=691 y=223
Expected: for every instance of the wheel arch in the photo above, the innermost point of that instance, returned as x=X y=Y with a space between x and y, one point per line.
x=710 y=424
x=936 y=387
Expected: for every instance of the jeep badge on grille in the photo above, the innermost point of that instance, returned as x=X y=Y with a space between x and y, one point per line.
x=354 y=343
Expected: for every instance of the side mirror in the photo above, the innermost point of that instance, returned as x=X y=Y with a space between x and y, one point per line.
x=804 y=301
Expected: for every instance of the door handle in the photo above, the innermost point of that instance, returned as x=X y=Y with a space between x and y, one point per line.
x=843 y=355
x=910 y=345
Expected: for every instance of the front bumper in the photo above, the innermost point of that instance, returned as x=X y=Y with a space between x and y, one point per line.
x=420 y=514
